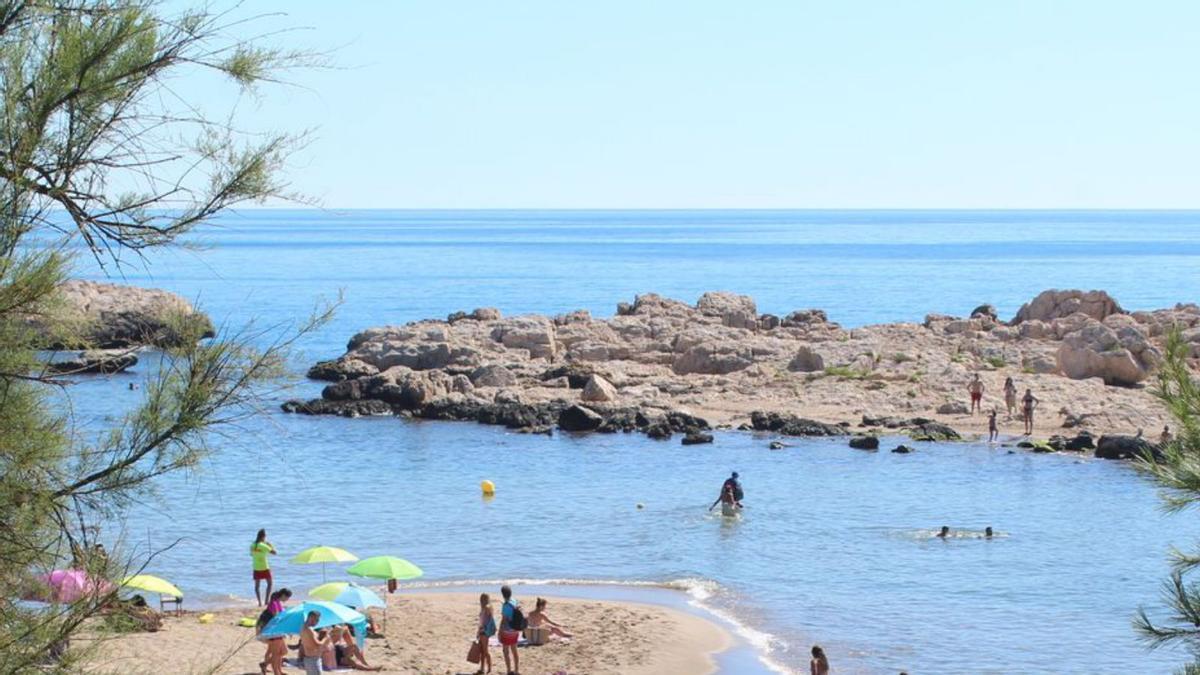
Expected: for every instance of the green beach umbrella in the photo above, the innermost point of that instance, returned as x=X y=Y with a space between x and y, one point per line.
x=385 y=567
x=323 y=555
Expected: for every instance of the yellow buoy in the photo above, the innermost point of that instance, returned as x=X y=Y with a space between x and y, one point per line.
x=488 y=487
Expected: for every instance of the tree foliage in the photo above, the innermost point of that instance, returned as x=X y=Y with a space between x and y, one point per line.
x=105 y=149
x=1176 y=469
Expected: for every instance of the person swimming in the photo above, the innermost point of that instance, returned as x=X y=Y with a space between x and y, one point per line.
x=944 y=533
x=987 y=532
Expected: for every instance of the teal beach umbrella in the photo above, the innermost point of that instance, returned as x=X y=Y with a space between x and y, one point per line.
x=291 y=620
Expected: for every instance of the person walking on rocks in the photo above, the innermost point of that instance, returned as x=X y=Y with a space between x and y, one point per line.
x=975 y=388
x=1028 y=403
x=1010 y=396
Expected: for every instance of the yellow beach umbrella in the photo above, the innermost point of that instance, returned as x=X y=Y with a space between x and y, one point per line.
x=152 y=584
x=323 y=555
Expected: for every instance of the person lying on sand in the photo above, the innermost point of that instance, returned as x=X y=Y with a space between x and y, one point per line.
x=539 y=619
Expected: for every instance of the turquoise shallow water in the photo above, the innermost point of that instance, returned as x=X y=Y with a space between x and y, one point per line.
x=835 y=546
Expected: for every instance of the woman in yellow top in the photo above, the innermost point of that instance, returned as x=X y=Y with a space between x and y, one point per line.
x=262 y=568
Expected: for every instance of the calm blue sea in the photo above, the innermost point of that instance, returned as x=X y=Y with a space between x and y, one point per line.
x=835 y=546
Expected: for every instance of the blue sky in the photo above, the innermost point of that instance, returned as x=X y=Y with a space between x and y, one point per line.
x=1052 y=103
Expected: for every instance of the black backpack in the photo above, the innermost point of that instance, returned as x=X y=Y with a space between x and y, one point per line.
x=264 y=619
x=517 y=621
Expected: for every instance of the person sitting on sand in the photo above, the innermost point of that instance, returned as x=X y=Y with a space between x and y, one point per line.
x=819 y=665
x=539 y=619
x=346 y=653
x=944 y=533
x=311 y=644
x=329 y=638
x=1010 y=396
x=1028 y=403
x=484 y=632
x=993 y=431
x=1165 y=439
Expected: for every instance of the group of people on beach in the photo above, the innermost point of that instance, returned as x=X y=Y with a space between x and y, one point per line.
x=537 y=628
x=1028 y=404
x=328 y=648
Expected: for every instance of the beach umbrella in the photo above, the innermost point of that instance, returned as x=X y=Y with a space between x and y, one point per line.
x=291 y=620
x=347 y=593
x=152 y=584
x=323 y=555
x=385 y=567
x=68 y=586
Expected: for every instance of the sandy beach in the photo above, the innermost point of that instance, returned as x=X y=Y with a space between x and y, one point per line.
x=431 y=632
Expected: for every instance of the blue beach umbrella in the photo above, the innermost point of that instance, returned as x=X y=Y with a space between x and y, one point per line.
x=291 y=620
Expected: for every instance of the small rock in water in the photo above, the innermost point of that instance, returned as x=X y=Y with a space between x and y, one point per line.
x=865 y=443
x=902 y=449
x=776 y=445
x=697 y=437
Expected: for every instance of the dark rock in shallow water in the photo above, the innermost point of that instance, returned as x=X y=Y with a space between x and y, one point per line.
x=902 y=449
x=776 y=445
x=865 y=442
x=93 y=362
x=790 y=425
x=933 y=431
x=697 y=437
x=1124 y=447
x=659 y=431
x=1028 y=445
x=579 y=418
x=318 y=406
x=681 y=421
x=1083 y=441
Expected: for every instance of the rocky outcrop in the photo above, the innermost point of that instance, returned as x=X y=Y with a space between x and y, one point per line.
x=112 y=316
x=579 y=418
x=1056 y=304
x=721 y=358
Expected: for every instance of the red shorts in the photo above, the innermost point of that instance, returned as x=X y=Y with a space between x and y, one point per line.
x=509 y=638
x=262 y=574
x=976 y=396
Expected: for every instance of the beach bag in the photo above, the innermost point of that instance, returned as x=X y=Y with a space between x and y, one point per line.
x=474 y=654
x=517 y=621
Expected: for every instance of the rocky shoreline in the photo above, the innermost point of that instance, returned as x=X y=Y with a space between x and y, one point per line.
x=663 y=367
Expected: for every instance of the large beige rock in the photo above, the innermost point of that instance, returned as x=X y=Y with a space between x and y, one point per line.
x=530 y=332
x=712 y=358
x=598 y=389
x=493 y=375
x=1121 y=357
x=806 y=360
x=1056 y=304
x=735 y=311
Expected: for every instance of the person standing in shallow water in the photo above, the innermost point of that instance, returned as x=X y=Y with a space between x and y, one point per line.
x=1010 y=396
x=993 y=430
x=259 y=551
x=819 y=665
x=1028 y=403
x=975 y=389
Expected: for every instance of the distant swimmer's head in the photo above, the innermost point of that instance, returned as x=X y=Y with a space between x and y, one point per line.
x=988 y=531
x=945 y=531
x=735 y=474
